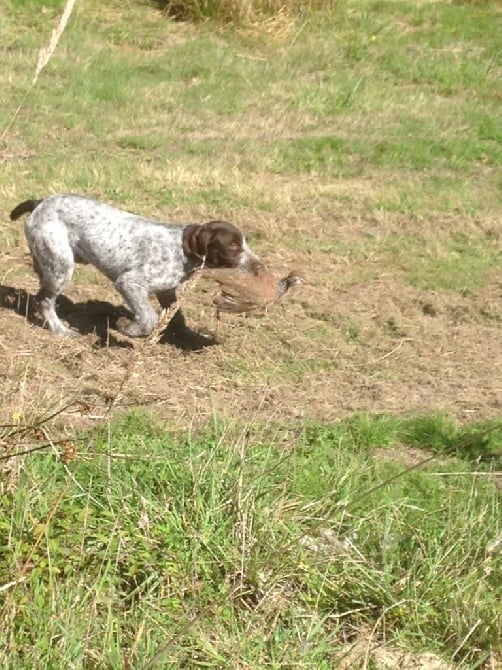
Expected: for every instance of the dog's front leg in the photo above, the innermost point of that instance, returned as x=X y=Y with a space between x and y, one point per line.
x=136 y=296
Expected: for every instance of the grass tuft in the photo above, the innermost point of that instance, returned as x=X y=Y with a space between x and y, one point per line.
x=233 y=11
x=229 y=538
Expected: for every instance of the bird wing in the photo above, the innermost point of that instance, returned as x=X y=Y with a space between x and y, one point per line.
x=229 y=303
x=242 y=291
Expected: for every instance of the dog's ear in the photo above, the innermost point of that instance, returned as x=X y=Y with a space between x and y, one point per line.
x=218 y=242
x=195 y=241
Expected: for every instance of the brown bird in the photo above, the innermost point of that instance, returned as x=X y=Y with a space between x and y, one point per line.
x=245 y=292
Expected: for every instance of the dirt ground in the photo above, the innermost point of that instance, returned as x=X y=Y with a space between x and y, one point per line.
x=332 y=348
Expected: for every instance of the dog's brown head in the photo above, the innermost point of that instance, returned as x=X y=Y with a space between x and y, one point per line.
x=218 y=243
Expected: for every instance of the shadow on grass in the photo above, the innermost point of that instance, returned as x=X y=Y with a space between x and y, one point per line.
x=179 y=11
x=95 y=317
x=475 y=443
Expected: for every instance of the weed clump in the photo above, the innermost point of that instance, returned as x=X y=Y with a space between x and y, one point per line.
x=235 y=11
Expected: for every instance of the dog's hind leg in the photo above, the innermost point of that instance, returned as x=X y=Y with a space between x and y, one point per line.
x=51 y=285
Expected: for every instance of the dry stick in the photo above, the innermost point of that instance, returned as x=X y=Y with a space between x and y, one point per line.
x=32 y=450
x=466 y=637
x=9 y=585
x=46 y=53
x=44 y=56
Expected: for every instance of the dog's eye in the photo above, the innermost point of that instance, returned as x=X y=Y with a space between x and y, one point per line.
x=234 y=246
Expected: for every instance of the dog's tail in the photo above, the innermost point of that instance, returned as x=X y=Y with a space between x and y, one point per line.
x=24 y=208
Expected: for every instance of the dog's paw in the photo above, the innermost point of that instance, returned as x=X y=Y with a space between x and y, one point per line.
x=63 y=331
x=130 y=328
x=123 y=325
x=73 y=333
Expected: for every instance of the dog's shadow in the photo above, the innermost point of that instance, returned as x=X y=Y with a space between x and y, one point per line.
x=96 y=317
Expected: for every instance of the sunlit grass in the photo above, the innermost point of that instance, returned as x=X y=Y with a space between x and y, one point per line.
x=200 y=539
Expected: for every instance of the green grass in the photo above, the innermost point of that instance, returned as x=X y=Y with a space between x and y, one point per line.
x=413 y=124
x=240 y=548
x=392 y=88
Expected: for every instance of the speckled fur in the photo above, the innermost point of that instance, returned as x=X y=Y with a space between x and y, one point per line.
x=142 y=257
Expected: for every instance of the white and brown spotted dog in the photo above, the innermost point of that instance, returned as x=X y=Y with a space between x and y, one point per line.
x=141 y=257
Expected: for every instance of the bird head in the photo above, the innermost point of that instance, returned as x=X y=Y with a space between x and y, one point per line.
x=294 y=279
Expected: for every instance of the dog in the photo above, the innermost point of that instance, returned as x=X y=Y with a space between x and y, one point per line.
x=140 y=256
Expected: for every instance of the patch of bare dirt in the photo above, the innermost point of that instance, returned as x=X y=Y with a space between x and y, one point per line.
x=364 y=653
x=409 y=457
x=370 y=346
